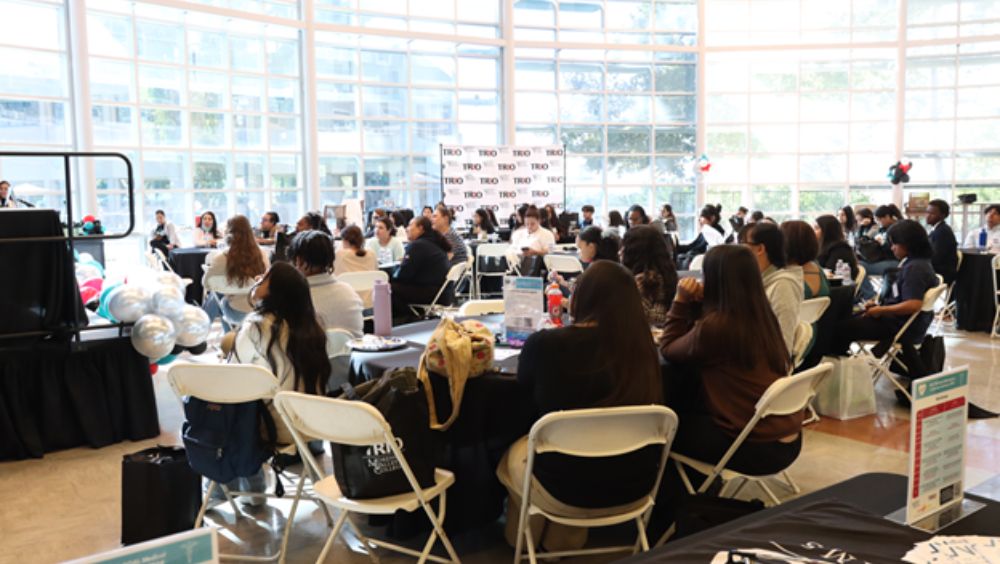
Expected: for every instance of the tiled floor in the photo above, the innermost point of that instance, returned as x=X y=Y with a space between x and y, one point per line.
x=68 y=504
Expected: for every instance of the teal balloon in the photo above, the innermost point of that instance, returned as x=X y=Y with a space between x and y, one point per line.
x=88 y=226
x=102 y=308
x=167 y=359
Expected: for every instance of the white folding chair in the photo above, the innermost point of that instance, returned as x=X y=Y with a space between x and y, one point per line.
x=363 y=281
x=810 y=312
x=947 y=313
x=455 y=274
x=467 y=275
x=590 y=433
x=696 y=262
x=881 y=366
x=784 y=396
x=339 y=354
x=800 y=342
x=566 y=248
x=234 y=383
x=480 y=307
x=223 y=289
x=485 y=252
x=357 y=423
x=563 y=264
x=858 y=280
x=996 y=298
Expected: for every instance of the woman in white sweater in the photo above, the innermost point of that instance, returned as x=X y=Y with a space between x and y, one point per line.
x=384 y=245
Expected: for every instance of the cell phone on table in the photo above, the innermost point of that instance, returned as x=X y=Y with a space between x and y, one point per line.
x=525 y=249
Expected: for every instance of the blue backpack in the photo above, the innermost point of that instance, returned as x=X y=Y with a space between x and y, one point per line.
x=223 y=440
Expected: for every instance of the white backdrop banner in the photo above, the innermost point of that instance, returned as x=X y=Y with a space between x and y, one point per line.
x=501 y=178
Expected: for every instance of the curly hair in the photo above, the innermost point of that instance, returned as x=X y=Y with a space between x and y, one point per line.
x=645 y=250
x=244 y=260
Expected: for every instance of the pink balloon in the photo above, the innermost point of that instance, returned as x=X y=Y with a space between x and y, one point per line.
x=88 y=294
x=95 y=283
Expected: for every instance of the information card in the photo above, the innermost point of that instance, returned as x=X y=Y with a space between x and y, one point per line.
x=522 y=302
x=937 y=443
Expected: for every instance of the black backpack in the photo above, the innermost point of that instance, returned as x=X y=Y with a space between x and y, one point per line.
x=223 y=440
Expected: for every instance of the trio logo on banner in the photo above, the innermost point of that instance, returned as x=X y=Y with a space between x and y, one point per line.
x=501 y=177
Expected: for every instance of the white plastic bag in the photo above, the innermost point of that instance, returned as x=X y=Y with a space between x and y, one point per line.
x=848 y=392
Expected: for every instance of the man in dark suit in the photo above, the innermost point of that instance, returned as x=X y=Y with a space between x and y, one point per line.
x=945 y=258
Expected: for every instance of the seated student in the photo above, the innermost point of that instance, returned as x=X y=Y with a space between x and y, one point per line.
x=864 y=226
x=441 y=221
x=637 y=216
x=726 y=333
x=268 y=229
x=848 y=223
x=617 y=223
x=833 y=247
x=801 y=249
x=945 y=258
x=532 y=239
x=903 y=296
x=337 y=304
x=668 y=218
x=400 y=222
x=709 y=235
x=206 y=234
x=312 y=221
x=588 y=217
x=427 y=212
x=241 y=262
x=606 y=358
x=423 y=269
x=783 y=284
x=595 y=244
x=646 y=253
x=164 y=236
x=550 y=221
x=756 y=216
x=283 y=335
x=876 y=256
x=739 y=219
x=988 y=237
x=353 y=255
x=482 y=225
x=385 y=245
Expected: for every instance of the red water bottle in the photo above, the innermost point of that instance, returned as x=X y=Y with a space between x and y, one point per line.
x=554 y=297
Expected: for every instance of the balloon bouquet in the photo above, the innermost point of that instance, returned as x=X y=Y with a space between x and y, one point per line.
x=164 y=325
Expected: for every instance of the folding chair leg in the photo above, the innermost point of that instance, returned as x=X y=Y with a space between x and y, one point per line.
x=731 y=492
x=767 y=491
x=791 y=483
x=996 y=324
x=528 y=537
x=643 y=541
x=204 y=505
x=684 y=477
x=291 y=516
x=438 y=523
x=666 y=535
x=333 y=535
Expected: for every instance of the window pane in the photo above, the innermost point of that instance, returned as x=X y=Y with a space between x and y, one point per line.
x=114 y=125
x=159 y=42
x=162 y=127
x=208 y=90
x=385 y=136
x=161 y=85
x=383 y=66
x=164 y=171
x=382 y=101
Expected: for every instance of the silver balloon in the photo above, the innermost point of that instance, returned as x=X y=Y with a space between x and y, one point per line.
x=192 y=326
x=154 y=336
x=87 y=271
x=168 y=301
x=169 y=279
x=129 y=303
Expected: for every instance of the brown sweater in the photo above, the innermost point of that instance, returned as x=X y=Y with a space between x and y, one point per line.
x=730 y=391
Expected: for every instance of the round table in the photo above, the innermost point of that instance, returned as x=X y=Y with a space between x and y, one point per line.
x=973 y=293
x=187 y=263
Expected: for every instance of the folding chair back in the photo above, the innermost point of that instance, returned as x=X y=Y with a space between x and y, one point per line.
x=491 y=250
x=791 y=394
x=800 y=342
x=223 y=383
x=363 y=281
x=563 y=264
x=219 y=283
x=481 y=307
x=355 y=423
x=696 y=262
x=811 y=310
x=603 y=431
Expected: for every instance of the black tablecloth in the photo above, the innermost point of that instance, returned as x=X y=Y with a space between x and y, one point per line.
x=493 y=415
x=187 y=263
x=973 y=293
x=52 y=397
x=878 y=494
x=38 y=290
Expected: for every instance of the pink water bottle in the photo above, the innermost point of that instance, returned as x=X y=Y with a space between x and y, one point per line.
x=382 y=304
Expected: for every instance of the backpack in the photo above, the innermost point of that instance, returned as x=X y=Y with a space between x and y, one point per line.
x=223 y=440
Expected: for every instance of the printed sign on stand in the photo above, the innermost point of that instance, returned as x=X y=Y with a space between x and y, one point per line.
x=938 y=414
x=522 y=301
x=198 y=546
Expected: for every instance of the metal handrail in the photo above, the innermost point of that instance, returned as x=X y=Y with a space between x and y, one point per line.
x=69 y=195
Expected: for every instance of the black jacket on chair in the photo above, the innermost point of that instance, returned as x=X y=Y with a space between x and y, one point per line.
x=945 y=257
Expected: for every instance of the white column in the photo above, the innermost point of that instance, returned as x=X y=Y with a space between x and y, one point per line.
x=309 y=110
x=83 y=128
x=897 y=190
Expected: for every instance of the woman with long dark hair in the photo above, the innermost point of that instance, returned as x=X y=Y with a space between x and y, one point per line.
x=832 y=246
x=607 y=358
x=423 y=269
x=710 y=234
x=312 y=221
x=727 y=336
x=646 y=253
x=594 y=243
x=617 y=223
x=206 y=234
x=241 y=263
x=284 y=336
x=550 y=221
x=801 y=249
x=482 y=225
x=848 y=222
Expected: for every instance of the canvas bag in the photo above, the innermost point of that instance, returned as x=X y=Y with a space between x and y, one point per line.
x=458 y=351
x=848 y=392
x=366 y=472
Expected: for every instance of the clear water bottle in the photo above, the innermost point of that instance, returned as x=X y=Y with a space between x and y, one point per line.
x=843 y=270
